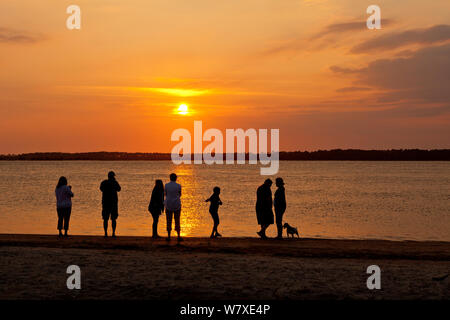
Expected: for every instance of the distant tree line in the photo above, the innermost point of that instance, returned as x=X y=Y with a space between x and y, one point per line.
x=370 y=155
x=336 y=154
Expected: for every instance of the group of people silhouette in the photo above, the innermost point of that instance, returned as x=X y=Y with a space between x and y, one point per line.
x=168 y=198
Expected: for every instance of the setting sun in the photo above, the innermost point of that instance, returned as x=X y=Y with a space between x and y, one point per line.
x=183 y=109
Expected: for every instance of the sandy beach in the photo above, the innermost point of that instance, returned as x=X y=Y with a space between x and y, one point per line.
x=34 y=267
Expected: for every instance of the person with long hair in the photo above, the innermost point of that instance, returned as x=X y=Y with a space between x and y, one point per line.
x=156 y=205
x=64 y=196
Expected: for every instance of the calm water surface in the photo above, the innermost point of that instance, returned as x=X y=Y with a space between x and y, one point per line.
x=383 y=200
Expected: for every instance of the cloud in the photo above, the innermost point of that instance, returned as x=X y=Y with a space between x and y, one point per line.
x=353 y=89
x=180 y=92
x=435 y=34
x=330 y=35
x=337 y=69
x=416 y=111
x=344 y=27
x=8 y=35
x=423 y=78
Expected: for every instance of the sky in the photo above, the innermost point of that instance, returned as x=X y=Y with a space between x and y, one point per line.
x=309 y=68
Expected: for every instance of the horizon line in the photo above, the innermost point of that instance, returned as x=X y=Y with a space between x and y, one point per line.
x=224 y=153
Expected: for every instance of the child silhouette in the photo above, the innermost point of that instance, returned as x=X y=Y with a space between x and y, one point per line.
x=215 y=202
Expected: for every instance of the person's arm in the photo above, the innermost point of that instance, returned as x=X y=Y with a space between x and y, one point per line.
x=101 y=186
x=162 y=200
x=69 y=191
x=118 y=187
x=220 y=201
x=207 y=200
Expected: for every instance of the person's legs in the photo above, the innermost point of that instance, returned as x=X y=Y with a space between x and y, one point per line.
x=113 y=225
x=169 y=222
x=105 y=216
x=216 y=224
x=114 y=216
x=60 y=220
x=279 y=221
x=262 y=232
x=216 y=233
x=177 y=215
x=155 y=225
x=105 y=226
x=67 y=213
x=214 y=229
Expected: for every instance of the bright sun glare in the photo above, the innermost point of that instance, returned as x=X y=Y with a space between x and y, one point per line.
x=183 y=109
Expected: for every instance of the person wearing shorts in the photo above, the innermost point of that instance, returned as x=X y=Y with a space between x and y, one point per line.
x=110 y=200
x=110 y=212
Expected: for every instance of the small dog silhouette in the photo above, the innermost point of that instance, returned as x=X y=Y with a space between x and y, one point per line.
x=290 y=230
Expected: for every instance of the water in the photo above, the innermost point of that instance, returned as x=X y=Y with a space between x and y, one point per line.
x=355 y=200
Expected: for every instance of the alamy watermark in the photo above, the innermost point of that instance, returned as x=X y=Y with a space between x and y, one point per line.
x=74 y=280
x=374 y=280
x=374 y=21
x=74 y=20
x=214 y=151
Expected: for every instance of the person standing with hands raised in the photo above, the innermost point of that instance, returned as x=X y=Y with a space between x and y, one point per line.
x=110 y=200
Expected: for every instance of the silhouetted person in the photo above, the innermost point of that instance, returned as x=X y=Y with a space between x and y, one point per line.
x=64 y=196
x=264 y=212
x=172 y=191
x=156 y=206
x=215 y=202
x=279 y=204
x=110 y=201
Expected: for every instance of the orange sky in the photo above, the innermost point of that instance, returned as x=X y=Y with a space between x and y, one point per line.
x=310 y=68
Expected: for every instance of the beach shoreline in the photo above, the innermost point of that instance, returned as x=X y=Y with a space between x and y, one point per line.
x=291 y=247
x=34 y=267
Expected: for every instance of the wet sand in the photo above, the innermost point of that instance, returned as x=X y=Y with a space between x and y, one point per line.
x=34 y=267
